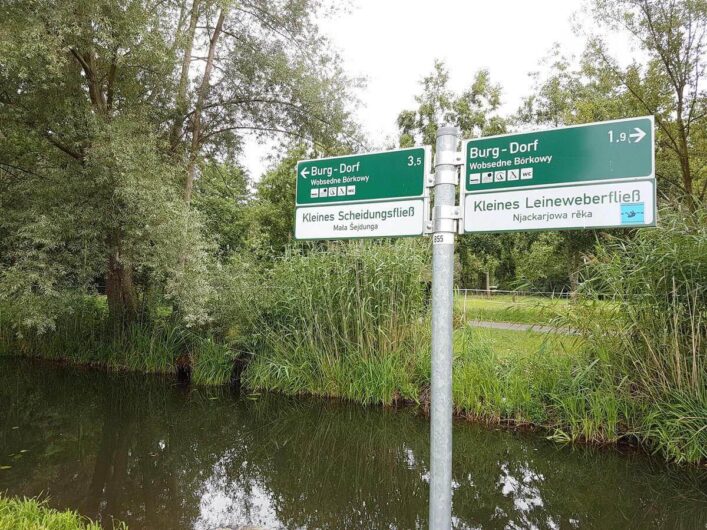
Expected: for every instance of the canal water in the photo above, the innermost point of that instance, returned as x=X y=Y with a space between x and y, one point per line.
x=156 y=455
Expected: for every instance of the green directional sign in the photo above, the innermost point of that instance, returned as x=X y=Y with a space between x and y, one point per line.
x=397 y=174
x=598 y=151
x=598 y=175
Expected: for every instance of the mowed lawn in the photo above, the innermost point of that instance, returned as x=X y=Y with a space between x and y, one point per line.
x=506 y=308
x=509 y=343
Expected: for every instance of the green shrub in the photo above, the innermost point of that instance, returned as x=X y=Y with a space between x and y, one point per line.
x=364 y=297
x=83 y=334
x=676 y=427
x=507 y=387
x=241 y=290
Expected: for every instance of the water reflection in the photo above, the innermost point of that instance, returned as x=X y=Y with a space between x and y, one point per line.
x=159 y=456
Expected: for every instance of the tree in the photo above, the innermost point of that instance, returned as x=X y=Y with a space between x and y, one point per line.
x=71 y=75
x=473 y=111
x=107 y=118
x=263 y=67
x=673 y=35
x=272 y=213
x=543 y=264
x=222 y=195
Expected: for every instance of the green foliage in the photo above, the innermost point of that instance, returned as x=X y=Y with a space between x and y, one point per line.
x=480 y=258
x=659 y=318
x=520 y=260
x=122 y=202
x=550 y=385
x=507 y=388
x=221 y=196
x=240 y=288
x=358 y=306
x=474 y=111
x=652 y=338
x=30 y=514
x=211 y=361
x=81 y=150
x=669 y=84
x=381 y=379
x=355 y=296
x=272 y=214
x=544 y=264
x=666 y=83
x=675 y=427
x=591 y=408
x=87 y=336
x=109 y=119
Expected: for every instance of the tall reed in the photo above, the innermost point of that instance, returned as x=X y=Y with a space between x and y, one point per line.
x=652 y=339
x=350 y=314
x=363 y=297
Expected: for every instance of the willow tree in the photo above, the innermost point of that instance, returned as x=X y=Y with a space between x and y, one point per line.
x=110 y=108
x=261 y=66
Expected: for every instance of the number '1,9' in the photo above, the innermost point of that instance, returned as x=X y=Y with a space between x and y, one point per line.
x=622 y=137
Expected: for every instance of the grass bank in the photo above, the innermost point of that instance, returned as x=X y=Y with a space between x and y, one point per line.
x=500 y=377
x=84 y=335
x=30 y=514
x=352 y=322
x=636 y=373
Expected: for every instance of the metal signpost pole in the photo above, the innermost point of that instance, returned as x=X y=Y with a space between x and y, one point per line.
x=445 y=219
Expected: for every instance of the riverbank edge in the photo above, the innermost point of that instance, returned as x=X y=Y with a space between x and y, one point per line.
x=626 y=442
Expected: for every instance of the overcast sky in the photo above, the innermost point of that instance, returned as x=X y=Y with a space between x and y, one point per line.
x=393 y=45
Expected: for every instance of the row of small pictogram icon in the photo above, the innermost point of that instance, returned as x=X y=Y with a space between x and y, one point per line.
x=501 y=175
x=333 y=191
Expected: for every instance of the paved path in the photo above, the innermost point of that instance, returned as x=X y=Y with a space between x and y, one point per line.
x=521 y=327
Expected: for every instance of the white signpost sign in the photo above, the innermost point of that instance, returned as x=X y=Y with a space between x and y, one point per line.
x=618 y=204
x=342 y=221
